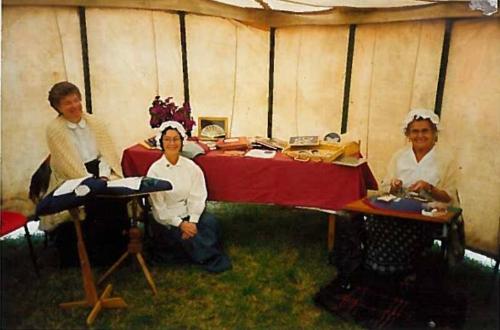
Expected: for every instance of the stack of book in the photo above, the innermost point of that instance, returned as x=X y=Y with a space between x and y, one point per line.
x=269 y=143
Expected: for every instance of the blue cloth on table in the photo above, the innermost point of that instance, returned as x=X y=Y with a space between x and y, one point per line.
x=53 y=204
x=148 y=185
x=403 y=205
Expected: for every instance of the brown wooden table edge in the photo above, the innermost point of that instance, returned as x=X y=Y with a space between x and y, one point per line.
x=359 y=206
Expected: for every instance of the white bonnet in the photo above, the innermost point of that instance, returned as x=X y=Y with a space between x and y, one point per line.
x=420 y=113
x=169 y=124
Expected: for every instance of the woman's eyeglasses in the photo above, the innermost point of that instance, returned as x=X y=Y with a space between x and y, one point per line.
x=171 y=140
x=420 y=131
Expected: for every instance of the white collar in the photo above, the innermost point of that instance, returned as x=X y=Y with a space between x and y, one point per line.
x=428 y=155
x=169 y=164
x=82 y=124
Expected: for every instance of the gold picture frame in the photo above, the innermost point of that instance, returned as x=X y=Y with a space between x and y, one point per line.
x=212 y=128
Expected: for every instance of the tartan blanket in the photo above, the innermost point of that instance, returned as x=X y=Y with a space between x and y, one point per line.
x=392 y=305
x=370 y=307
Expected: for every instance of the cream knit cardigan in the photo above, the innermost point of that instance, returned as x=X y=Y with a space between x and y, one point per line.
x=65 y=161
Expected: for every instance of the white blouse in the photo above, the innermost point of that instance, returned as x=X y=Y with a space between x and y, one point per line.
x=410 y=171
x=86 y=145
x=438 y=167
x=188 y=194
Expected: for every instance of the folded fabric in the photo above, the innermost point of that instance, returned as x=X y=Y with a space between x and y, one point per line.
x=191 y=149
x=402 y=204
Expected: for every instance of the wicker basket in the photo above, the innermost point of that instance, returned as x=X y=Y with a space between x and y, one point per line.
x=325 y=152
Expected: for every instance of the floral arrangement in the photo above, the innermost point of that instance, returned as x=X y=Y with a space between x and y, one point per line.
x=166 y=110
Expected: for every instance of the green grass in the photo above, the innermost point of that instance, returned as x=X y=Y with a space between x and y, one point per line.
x=279 y=261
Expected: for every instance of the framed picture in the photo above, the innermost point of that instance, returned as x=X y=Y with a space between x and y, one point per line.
x=212 y=128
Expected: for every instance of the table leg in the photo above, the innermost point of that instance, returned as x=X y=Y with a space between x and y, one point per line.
x=147 y=274
x=91 y=298
x=113 y=267
x=331 y=232
x=134 y=248
x=105 y=302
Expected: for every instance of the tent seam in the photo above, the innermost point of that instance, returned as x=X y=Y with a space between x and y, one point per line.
x=61 y=44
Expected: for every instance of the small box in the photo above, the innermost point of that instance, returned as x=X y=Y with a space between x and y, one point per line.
x=239 y=143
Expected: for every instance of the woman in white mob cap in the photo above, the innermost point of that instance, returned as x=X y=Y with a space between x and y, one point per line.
x=395 y=246
x=424 y=167
x=180 y=217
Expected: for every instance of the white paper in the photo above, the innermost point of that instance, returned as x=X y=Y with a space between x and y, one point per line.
x=350 y=164
x=69 y=186
x=257 y=153
x=386 y=198
x=133 y=182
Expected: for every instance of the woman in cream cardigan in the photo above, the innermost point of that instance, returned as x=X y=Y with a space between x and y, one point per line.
x=77 y=141
x=79 y=145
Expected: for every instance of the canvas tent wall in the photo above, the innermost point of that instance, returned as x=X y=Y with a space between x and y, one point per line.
x=270 y=72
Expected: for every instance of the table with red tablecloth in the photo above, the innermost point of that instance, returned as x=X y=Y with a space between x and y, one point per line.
x=279 y=180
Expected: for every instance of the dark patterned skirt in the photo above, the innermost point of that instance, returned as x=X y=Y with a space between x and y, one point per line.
x=394 y=245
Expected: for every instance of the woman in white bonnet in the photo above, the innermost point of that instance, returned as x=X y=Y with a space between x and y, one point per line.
x=181 y=222
x=422 y=167
x=394 y=246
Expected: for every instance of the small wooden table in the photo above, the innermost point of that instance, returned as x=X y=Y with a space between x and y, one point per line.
x=360 y=206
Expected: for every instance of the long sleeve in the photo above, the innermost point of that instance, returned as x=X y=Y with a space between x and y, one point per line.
x=105 y=145
x=385 y=185
x=64 y=159
x=197 y=196
x=104 y=168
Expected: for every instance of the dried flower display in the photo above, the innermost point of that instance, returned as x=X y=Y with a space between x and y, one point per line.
x=164 y=110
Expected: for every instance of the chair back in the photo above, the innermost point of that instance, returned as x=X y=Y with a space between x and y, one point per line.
x=40 y=181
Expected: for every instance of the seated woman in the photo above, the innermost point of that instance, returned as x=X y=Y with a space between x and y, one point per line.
x=180 y=212
x=423 y=168
x=391 y=246
x=80 y=145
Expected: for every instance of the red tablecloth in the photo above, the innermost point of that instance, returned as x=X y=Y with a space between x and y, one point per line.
x=280 y=181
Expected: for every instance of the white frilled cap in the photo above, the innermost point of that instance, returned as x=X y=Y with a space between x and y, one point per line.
x=172 y=124
x=420 y=114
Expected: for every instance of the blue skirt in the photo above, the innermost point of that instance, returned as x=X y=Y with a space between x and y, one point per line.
x=204 y=249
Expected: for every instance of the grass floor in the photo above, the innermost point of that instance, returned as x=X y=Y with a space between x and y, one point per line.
x=279 y=262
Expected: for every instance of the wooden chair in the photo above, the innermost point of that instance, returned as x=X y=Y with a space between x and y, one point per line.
x=10 y=221
x=39 y=184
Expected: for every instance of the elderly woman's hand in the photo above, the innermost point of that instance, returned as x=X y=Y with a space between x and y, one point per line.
x=188 y=229
x=420 y=185
x=396 y=186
